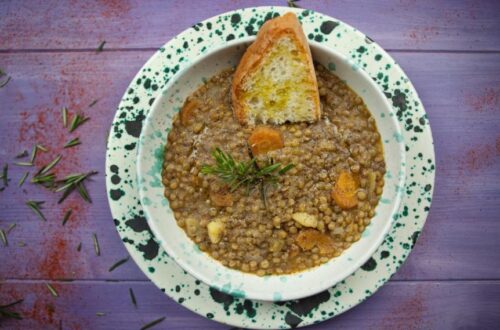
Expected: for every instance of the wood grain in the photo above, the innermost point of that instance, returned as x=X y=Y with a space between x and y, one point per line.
x=407 y=24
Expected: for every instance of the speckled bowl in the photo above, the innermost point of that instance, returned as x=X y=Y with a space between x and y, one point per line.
x=187 y=254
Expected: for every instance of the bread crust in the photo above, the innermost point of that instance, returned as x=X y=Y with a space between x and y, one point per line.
x=270 y=32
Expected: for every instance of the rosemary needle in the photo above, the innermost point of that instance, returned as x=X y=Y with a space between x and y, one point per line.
x=35 y=206
x=64 y=114
x=101 y=46
x=49 y=166
x=72 y=143
x=33 y=154
x=3 y=237
x=96 y=245
x=12 y=226
x=5 y=175
x=23 y=178
x=152 y=323
x=52 y=290
x=66 y=216
x=118 y=264
x=132 y=297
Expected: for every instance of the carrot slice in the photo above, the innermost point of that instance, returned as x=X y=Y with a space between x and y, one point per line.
x=309 y=238
x=264 y=139
x=344 y=191
x=187 y=111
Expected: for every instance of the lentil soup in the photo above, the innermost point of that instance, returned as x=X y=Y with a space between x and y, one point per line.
x=312 y=213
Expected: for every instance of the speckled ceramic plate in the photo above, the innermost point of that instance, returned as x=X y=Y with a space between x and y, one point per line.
x=128 y=212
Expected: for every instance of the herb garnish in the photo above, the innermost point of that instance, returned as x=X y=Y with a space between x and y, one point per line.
x=39 y=146
x=247 y=174
x=35 y=206
x=132 y=297
x=101 y=46
x=23 y=164
x=52 y=290
x=12 y=315
x=66 y=216
x=96 y=245
x=72 y=143
x=77 y=121
x=118 y=264
x=153 y=323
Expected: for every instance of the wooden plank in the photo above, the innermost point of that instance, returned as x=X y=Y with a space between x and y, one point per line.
x=460 y=92
x=407 y=24
x=397 y=305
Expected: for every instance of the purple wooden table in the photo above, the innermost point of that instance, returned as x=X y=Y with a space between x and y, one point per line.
x=449 y=49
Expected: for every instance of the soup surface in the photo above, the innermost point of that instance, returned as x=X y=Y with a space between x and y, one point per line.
x=314 y=211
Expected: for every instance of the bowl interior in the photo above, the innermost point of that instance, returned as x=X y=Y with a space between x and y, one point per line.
x=186 y=253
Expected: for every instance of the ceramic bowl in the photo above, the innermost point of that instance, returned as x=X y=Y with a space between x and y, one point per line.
x=187 y=254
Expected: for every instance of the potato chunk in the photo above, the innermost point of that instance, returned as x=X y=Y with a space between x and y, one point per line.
x=305 y=219
x=215 y=229
x=344 y=191
x=264 y=139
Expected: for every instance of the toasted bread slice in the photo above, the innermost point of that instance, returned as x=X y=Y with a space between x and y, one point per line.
x=275 y=80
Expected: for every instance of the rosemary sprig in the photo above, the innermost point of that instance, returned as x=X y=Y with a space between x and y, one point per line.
x=45 y=180
x=101 y=46
x=152 y=323
x=244 y=174
x=96 y=245
x=8 y=314
x=66 y=216
x=23 y=178
x=3 y=236
x=118 y=264
x=72 y=182
x=132 y=297
x=36 y=206
x=52 y=290
x=22 y=154
x=78 y=120
x=64 y=115
x=72 y=142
